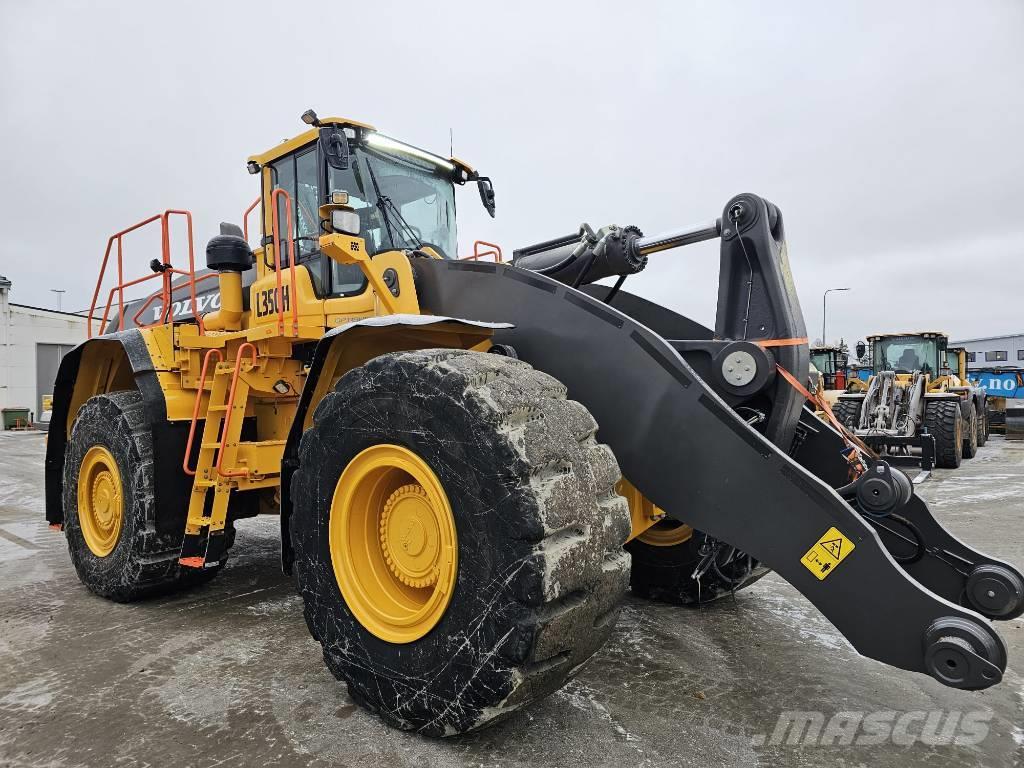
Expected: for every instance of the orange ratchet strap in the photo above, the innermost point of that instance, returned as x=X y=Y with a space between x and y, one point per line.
x=854 y=442
x=781 y=342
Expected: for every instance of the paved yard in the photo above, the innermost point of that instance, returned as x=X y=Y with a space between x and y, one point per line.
x=227 y=675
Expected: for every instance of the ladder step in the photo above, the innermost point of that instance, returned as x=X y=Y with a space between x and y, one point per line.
x=244 y=443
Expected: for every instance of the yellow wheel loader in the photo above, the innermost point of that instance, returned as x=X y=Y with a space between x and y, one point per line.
x=918 y=406
x=829 y=371
x=956 y=371
x=458 y=450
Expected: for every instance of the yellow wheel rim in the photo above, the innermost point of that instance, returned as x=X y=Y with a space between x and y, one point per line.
x=100 y=501
x=394 y=547
x=667 y=533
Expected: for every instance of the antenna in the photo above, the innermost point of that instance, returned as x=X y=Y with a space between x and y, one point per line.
x=451 y=143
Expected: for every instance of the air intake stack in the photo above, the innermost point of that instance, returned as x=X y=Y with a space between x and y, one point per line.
x=229 y=255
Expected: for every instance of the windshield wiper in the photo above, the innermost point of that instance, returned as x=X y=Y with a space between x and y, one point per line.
x=384 y=204
x=410 y=233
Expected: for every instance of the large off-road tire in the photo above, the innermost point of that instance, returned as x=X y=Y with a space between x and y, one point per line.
x=109 y=513
x=983 y=427
x=970 y=448
x=847 y=412
x=537 y=524
x=663 y=567
x=943 y=420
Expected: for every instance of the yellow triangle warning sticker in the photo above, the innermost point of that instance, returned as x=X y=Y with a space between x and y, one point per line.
x=833 y=546
x=828 y=552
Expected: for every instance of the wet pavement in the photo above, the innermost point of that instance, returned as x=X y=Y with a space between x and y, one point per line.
x=228 y=675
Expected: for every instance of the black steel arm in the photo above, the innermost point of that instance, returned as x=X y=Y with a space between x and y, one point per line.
x=692 y=455
x=929 y=553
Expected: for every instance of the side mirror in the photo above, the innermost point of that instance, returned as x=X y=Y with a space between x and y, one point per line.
x=861 y=349
x=486 y=193
x=334 y=145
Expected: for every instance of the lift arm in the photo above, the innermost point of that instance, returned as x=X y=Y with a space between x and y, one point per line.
x=687 y=448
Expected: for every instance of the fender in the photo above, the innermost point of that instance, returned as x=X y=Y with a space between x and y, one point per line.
x=348 y=346
x=968 y=400
x=110 y=363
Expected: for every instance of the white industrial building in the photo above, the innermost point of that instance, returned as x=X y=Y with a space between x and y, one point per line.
x=32 y=342
x=994 y=351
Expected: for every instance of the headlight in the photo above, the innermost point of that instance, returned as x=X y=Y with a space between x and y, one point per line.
x=345 y=221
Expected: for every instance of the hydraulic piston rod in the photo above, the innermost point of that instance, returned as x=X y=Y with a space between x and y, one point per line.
x=679 y=237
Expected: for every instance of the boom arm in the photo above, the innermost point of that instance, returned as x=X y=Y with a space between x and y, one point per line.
x=682 y=434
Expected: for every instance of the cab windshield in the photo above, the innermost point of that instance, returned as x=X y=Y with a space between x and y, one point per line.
x=403 y=202
x=906 y=354
x=404 y=197
x=822 y=361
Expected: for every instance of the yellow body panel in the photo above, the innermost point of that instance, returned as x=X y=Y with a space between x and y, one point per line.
x=264 y=302
x=347 y=249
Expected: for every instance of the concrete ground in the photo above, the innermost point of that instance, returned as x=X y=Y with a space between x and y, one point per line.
x=227 y=675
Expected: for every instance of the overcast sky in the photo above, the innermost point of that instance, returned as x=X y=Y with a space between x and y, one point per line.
x=888 y=133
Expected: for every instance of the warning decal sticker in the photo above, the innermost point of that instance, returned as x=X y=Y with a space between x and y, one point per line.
x=828 y=552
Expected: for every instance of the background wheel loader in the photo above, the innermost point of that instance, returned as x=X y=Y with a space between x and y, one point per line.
x=427 y=431
x=970 y=389
x=829 y=375
x=918 y=407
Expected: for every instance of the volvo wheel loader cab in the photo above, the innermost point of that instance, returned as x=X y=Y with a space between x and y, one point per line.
x=916 y=408
x=458 y=450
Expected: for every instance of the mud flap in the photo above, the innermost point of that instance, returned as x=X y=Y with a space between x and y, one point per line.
x=694 y=457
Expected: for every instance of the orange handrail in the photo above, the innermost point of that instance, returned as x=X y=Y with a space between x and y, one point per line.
x=245 y=218
x=166 y=273
x=493 y=250
x=276 y=225
x=116 y=237
x=195 y=409
x=227 y=412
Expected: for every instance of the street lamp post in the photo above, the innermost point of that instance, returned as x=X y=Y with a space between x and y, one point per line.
x=824 y=299
x=60 y=297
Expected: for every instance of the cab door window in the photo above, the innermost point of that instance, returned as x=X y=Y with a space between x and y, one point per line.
x=299 y=176
x=307 y=203
x=283 y=175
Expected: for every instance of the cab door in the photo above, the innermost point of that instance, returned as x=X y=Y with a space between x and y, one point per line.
x=298 y=174
x=296 y=213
